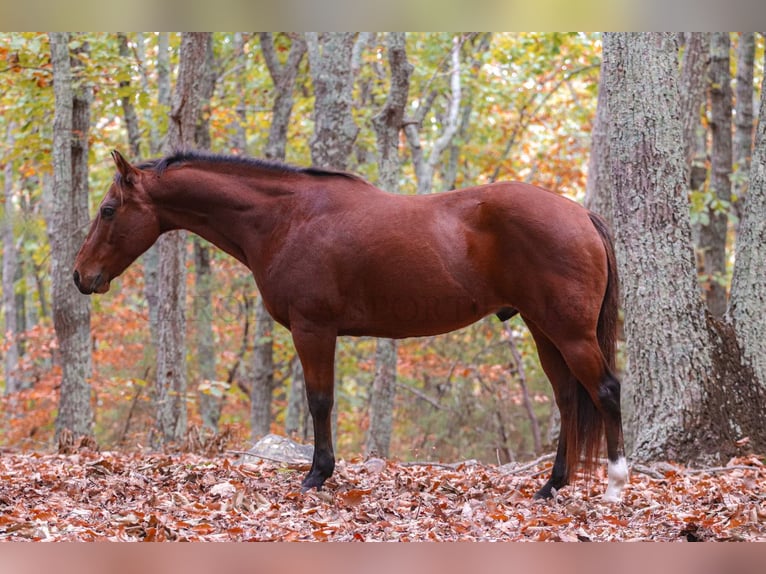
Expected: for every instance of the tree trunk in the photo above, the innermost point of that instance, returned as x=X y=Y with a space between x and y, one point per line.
x=677 y=355
x=743 y=125
x=210 y=403
x=388 y=124
x=67 y=224
x=283 y=76
x=170 y=397
x=693 y=104
x=11 y=266
x=712 y=238
x=426 y=165
x=296 y=417
x=331 y=71
x=151 y=259
x=128 y=110
x=598 y=197
x=748 y=287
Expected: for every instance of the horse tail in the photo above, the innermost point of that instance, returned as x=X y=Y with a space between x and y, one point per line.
x=586 y=427
x=607 y=319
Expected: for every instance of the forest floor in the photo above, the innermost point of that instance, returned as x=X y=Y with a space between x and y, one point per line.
x=122 y=496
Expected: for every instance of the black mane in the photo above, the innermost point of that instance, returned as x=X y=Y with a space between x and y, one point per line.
x=193 y=156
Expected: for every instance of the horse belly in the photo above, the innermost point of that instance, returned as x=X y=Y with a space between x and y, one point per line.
x=414 y=308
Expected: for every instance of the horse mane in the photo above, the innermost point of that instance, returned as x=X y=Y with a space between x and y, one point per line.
x=194 y=156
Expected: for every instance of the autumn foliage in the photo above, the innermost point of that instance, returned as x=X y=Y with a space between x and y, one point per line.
x=115 y=496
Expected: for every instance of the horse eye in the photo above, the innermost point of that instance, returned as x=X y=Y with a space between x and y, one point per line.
x=107 y=212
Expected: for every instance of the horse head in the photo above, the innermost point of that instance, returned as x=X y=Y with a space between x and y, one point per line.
x=125 y=226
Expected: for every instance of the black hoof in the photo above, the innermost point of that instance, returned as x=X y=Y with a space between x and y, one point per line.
x=312 y=480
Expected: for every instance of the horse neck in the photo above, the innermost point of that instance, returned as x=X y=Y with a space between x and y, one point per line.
x=228 y=210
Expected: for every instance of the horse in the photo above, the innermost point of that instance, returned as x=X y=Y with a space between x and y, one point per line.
x=333 y=255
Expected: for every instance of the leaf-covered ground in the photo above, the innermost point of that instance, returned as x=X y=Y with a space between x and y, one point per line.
x=139 y=497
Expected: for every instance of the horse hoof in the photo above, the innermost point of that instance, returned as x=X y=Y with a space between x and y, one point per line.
x=312 y=482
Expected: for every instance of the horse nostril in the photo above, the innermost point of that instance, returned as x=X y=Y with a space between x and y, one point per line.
x=77 y=278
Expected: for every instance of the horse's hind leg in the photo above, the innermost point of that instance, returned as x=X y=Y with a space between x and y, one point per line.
x=316 y=350
x=588 y=365
x=564 y=387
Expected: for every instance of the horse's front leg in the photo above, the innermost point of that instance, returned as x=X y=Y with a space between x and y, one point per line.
x=316 y=350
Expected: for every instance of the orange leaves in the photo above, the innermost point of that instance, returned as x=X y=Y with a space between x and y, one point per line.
x=133 y=497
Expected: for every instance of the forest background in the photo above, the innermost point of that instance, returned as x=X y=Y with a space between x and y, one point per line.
x=481 y=107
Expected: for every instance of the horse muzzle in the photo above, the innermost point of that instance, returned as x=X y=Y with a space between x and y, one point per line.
x=87 y=286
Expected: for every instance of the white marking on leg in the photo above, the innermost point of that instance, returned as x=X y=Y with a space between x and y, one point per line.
x=618 y=478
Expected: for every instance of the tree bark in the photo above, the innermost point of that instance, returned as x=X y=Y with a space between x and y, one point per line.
x=693 y=104
x=67 y=224
x=151 y=259
x=210 y=403
x=330 y=61
x=283 y=76
x=388 y=124
x=712 y=237
x=11 y=268
x=743 y=125
x=425 y=166
x=748 y=287
x=598 y=197
x=128 y=109
x=334 y=128
x=170 y=398
x=677 y=354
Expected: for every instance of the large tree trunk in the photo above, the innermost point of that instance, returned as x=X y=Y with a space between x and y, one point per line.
x=748 y=288
x=170 y=398
x=283 y=76
x=67 y=224
x=712 y=237
x=688 y=396
x=388 y=124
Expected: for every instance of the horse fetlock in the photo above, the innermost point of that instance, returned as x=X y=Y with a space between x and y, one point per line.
x=618 y=477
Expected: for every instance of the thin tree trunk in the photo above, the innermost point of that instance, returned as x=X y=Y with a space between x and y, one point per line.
x=67 y=223
x=128 y=109
x=425 y=166
x=210 y=404
x=693 y=102
x=283 y=76
x=11 y=267
x=743 y=125
x=331 y=71
x=296 y=425
x=171 y=363
x=712 y=239
x=151 y=259
x=388 y=124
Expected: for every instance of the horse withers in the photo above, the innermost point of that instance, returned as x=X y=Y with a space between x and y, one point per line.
x=333 y=255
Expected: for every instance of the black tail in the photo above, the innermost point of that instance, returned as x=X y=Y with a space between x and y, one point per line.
x=586 y=428
x=607 y=320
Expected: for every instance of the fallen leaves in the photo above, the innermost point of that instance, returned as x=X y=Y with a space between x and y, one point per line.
x=137 y=497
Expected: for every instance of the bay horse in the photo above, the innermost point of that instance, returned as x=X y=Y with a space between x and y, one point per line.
x=333 y=255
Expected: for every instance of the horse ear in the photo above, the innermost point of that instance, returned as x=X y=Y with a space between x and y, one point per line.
x=127 y=171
